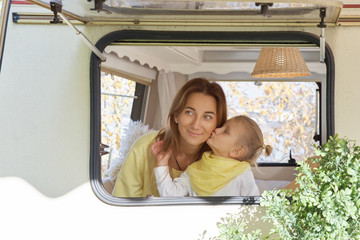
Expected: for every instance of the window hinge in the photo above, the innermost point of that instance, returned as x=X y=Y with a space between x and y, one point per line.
x=56 y=7
x=102 y=149
x=322 y=25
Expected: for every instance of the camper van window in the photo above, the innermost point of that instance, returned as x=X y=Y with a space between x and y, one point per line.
x=294 y=114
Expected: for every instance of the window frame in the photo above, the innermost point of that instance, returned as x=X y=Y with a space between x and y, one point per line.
x=167 y=37
x=139 y=104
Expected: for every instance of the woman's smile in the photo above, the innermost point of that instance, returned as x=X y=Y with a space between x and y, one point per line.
x=194 y=134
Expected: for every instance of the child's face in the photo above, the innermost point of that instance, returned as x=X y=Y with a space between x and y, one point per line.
x=224 y=140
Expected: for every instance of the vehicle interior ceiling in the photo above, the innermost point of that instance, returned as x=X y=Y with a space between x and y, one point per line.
x=216 y=62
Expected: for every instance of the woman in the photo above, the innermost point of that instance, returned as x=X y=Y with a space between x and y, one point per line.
x=197 y=109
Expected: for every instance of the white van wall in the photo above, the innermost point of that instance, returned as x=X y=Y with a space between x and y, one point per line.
x=45 y=107
x=45 y=139
x=345 y=44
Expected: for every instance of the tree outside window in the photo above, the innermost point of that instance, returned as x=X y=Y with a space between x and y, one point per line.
x=285 y=111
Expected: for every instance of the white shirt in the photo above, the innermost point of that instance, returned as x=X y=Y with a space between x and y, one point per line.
x=242 y=185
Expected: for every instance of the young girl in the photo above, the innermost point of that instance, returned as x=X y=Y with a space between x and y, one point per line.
x=224 y=171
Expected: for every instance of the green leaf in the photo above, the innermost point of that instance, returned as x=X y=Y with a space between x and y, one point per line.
x=351 y=172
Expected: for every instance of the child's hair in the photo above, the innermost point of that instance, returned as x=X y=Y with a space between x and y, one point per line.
x=253 y=140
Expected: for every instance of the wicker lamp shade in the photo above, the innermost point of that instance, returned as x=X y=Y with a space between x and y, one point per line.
x=280 y=62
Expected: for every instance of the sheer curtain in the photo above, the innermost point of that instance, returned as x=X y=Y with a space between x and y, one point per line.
x=167 y=89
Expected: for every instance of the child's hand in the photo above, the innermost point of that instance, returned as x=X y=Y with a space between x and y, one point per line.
x=161 y=157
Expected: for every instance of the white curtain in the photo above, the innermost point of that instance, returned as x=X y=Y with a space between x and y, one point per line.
x=167 y=90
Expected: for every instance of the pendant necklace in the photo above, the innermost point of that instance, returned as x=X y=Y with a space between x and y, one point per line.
x=177 y=163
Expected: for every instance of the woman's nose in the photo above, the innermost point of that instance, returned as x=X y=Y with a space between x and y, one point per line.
x=196 y=122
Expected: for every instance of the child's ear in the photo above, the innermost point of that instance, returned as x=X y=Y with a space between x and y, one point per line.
x=237 y=152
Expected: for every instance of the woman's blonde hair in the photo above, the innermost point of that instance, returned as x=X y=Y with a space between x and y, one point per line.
x=253 y=140
x=171 y=135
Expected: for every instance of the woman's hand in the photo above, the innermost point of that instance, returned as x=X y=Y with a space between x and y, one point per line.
x=161 y=156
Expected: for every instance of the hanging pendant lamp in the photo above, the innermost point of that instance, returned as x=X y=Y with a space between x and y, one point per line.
x=280 y=62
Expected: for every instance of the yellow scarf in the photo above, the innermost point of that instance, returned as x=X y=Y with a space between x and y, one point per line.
x=211 y=173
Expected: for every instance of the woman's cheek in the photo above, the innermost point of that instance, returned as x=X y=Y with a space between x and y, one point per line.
x=211 y=128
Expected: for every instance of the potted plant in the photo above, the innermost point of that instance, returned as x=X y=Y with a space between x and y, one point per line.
x=324 y=205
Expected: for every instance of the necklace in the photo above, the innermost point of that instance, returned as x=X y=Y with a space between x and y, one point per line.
x=177 y=163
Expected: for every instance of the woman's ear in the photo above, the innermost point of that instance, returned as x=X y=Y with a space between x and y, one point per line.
x=175 y=119
x=237 y=152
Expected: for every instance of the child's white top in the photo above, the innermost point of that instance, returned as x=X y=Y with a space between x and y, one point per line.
x=242 y=185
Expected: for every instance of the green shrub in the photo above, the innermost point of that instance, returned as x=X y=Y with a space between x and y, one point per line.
x=326 y=205
x=234 y=226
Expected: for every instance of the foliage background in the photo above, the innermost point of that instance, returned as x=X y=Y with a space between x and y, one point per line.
x=116 y=104
x=285 y=111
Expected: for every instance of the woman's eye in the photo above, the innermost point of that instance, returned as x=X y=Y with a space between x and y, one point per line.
x=188 y=112
x=208 y=117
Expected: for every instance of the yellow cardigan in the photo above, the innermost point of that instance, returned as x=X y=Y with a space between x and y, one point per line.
x=136 y=177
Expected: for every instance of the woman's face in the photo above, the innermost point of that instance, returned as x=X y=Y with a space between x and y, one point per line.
x=198 y=119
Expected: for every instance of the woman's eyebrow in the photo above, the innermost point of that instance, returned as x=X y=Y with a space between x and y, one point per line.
x=207 y=112
x=191 y=108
